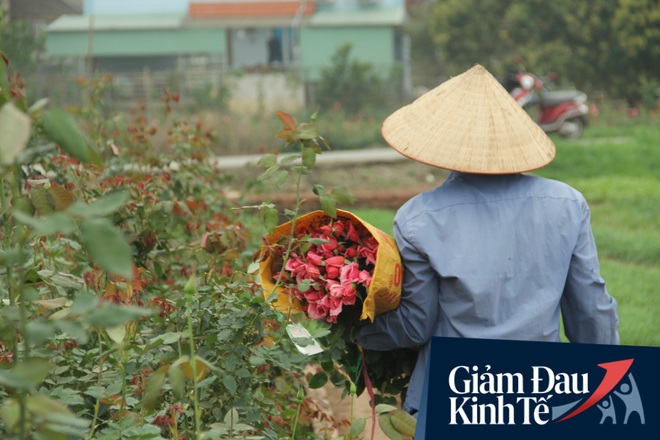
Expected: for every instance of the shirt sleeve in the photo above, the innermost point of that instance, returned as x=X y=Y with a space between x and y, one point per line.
x=589 y=313
x=414 y=321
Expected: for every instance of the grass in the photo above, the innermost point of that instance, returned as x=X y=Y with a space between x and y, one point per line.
x=618 y=171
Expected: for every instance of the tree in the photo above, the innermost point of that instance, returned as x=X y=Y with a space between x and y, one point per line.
x=610 y=46
x=20 y=44
x=637 y=25
x=350 y=83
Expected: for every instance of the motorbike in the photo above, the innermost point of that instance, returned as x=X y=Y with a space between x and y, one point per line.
x=564 y=112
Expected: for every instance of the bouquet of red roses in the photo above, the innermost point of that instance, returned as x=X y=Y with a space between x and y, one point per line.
x=320 y=264
x=338 y=271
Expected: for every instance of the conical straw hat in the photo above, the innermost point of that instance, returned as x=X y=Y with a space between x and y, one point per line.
x=469 y=124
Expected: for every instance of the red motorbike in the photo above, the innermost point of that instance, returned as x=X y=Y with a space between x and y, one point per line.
x=564 y=112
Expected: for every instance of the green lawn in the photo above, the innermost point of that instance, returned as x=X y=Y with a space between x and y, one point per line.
x=618 y=171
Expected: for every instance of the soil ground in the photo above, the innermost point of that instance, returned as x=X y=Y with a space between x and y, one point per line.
x=340 y=409
x=376 y=185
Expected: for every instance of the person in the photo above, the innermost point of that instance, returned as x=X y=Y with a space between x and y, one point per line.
x=493 y=252
x=274 y=50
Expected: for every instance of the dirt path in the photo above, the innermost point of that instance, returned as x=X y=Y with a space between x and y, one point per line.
x=329 y=398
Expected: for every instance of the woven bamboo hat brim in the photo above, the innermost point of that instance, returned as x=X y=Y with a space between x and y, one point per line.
x=471 y=124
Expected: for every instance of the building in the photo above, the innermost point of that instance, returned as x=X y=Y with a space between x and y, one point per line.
x=216 y=37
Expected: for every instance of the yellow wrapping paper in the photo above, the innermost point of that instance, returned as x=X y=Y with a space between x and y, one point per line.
x=384 y=292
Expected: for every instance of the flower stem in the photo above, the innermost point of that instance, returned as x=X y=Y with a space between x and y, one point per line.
x=193 y=368
x=300 y=398
x=7 y=241
x=97 y=404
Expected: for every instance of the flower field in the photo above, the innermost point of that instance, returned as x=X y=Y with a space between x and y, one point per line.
x=130 y=301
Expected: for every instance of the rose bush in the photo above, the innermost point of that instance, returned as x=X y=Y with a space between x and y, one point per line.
x=129 y=306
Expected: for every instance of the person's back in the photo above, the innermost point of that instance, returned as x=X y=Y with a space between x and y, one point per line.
x=501 y=246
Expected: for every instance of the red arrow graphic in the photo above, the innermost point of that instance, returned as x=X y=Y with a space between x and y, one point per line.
x=614 y=372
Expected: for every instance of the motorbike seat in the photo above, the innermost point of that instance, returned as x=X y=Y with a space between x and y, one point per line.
x=559 y=96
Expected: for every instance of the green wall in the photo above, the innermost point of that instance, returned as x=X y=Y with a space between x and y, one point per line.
x=128 y=43
x=371 y=44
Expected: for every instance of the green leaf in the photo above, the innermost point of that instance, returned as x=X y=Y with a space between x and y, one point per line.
x=10 y=413
x=308 y=157
x=117 y=333
x=230 y=383
x=57 y=223
x=280 y=177
x=15 y=131
x=95 y=392
x=357 y=427
x=99 y=208
x=231 y=421
x=342 y=195
x=328 y=205
x=256 y=361
x=253 y=267
x=107 y=247
x=83 y=304
x=67 y=424
x=270 y=218
x=45 y=407
x=191 y=284
x=289 y=159
x=403 y=422
x=384 y=408
x=267 y=160
x=167 y=338
x=202 y=367
x=177 y=381
x=40 y=201
x=34 y=371
x=73 y=329
x=10 y=380
x=153 y=388
x=318 y=380
x=61 y=128
x=385 y=424
x=111 y=315
x=39 y=331
x=36 y=108
x=58 y=279
x=307 y=131
x=266 y=174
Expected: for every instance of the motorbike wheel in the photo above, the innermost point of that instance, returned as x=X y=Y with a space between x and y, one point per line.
x=572 y=128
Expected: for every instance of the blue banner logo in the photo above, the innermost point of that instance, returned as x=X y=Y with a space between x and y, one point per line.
x=520 y=389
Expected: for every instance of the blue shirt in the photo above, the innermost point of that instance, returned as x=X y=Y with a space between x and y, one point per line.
x=496 y=257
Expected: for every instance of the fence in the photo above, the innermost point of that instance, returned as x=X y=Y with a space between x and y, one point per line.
x=214 y=88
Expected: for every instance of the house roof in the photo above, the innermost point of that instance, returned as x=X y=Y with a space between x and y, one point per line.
x=250 y=8
x=394 y=16
x=243 y=22
x=73 y=23
x=47 y=10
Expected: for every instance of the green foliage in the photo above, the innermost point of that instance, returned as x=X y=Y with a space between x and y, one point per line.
x=350 y=132
x=127 y=305
x=20 y=44
x=350 y=85
x=597 y=46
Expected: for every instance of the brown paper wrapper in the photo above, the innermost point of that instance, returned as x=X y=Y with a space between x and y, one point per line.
x=383 y=294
